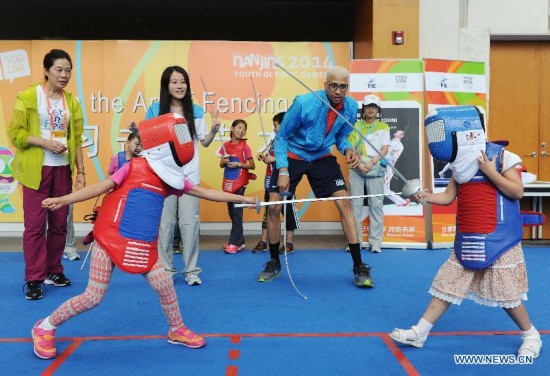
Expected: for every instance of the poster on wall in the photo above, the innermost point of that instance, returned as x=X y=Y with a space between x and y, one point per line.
x=400 y=87
x=116 y=82
x=450 y=83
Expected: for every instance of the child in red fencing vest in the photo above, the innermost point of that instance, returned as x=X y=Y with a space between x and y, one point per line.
x=237 y=160
x=127 y=226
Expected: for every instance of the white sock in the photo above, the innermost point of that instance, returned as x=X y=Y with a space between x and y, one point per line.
x=424 y=327
x=45 y=324
x=531 y=332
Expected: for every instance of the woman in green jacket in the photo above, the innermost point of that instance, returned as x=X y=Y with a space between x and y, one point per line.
x=46 y=130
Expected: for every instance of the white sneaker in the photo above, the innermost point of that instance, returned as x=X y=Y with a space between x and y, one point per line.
x=71 y=255
x=193 y=279
x=410 y=337
x=530 y=346
x=375 y=249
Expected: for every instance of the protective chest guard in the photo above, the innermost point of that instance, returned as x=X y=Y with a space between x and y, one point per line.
x=128 y=222
x=488 y=223
x=235 y=178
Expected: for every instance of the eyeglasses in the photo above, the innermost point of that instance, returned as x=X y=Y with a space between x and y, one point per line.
x=334 y=86
x=371 y=107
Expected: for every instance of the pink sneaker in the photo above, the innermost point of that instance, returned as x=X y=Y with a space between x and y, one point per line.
x=234 y=248
x=224 y=246
x=184 y=336
x=44 y=343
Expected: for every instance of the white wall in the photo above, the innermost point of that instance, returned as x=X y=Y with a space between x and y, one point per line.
x=439 y=29
x=461 y=29
x=509 y=16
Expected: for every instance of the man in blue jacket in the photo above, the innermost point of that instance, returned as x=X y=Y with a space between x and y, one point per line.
x=303 y=147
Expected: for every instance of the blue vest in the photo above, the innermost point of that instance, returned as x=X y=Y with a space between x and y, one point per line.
x=121 y=159
x=476 y=250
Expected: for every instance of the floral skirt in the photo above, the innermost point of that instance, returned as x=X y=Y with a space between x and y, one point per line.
x=503 y=284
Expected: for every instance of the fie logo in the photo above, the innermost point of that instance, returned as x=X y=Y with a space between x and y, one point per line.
x=14 y=64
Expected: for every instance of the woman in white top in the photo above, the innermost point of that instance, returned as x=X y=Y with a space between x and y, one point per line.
x=176 y=97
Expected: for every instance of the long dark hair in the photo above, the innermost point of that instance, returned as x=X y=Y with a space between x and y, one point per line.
x=166 y=98
x=52 y=56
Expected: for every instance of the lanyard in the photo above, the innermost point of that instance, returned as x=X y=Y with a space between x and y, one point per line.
x=50 y=112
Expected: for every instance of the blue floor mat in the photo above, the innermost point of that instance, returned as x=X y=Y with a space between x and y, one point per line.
x=265 y=329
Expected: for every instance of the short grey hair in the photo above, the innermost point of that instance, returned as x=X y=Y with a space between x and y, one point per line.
x=338 y=73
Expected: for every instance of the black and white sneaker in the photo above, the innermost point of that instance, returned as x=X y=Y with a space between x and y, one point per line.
x=34 y=290
x=272 y=270
x=362 y=276
x=58 y=280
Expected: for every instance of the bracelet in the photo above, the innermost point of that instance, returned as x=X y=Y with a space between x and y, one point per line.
x=283 y=173
x=81 y=173
x=240 y=164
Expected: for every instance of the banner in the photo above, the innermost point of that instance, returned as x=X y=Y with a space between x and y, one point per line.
x=450 y=83
x=116 y=81
x=400 y=87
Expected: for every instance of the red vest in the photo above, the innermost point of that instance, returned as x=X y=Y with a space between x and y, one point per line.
x=235 y=178
x=128 y=222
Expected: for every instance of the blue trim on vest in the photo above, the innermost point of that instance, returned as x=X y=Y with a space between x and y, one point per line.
x=141 y=216
x=231 y=173
x=121 y=156
x=479 y=251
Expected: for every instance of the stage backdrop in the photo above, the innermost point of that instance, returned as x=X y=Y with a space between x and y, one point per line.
x=451 y=83
x=399 y=84
x=116 y=81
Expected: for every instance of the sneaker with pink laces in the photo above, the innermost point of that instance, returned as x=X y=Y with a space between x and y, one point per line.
x=44 y=343
x=184 y=336
x=234 y=248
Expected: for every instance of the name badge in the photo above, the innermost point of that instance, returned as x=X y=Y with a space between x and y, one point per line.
x=60 y=136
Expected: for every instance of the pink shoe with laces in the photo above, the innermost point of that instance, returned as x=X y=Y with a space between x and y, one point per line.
x=186 y=337
x=44 y=343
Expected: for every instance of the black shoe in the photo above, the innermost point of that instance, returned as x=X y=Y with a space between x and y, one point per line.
x=58 y=280
x=34 y=290
x=272 y=270
x=362 y=276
